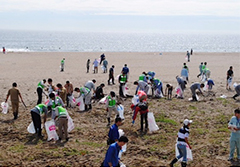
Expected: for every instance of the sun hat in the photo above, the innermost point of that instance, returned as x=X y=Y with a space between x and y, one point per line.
x=186 y=122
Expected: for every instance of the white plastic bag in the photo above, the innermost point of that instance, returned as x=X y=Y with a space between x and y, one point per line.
x=205 y=86
x=152 y=126
x=70 y=123
x=51 y=130
x=31 y=128
x=81 y=103
x=121 y=133
x=190 y=99
x=103 y=100
x=179 y=91
x=72 y=101
x=120 y=109
x=125 y=90
x=189 y=153
x=4 y=107
x=135 y=100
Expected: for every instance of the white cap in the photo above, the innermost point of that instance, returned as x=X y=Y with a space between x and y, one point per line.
x=186 y=122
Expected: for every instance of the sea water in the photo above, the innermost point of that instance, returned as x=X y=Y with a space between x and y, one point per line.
x=43 y=41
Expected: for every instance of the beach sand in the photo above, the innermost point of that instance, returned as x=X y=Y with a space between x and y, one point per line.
x=87 y=145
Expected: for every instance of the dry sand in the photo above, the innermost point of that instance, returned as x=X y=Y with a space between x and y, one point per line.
x=87 y=145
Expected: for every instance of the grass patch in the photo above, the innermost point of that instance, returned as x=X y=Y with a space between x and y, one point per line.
x=69 y=152
x=92 y=144
x=192 y=107
x=161 y=118
x=17 y=148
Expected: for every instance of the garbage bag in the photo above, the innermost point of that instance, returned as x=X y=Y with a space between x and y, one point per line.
x=4 y=107
x=152 y=126
x=51 y=130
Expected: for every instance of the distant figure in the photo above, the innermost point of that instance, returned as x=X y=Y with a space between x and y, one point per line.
x=111 y=75
x=41 y=86
x=102 y=57
x=182 y=83
x=168 y=91
x=14 y=94
x=184 y=73
x=4 y=50
x=88 y=64
x=105 y=64
x=125 y=70
x=229 y=78
x=188 y=56
x=122 y=79
x=191 y=51
x=95 y=66
x=62 y=64
x=204 y=66
x=200 y=69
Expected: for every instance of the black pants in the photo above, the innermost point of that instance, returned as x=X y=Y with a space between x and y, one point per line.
x=36 y=118
x=67 y=99
x=39 y=92
x=121 y=90
x=111 y=78
x=144 y=116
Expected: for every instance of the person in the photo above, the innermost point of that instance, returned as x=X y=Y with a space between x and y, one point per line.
x=157 y=86
x=102 y=57
x=41 y=86
x=113 y=134
x=95 y=66
x=184 y=73
x=143 y=77
x=88 y=65
x=59 y=115
x=141 y=85
x=14 y=94
x=234 y=124
x=204 y=66
x=182 y=83
x=105 y=64
x=141 y=107
x=182 y=142
x=111 y=75
x=69 y=88
x=122 y=79
x=125 y=70
x=168 y=91
x=111 y=158
x=237 y=89
x=91 y=85
x=85 y=93
x=111 y=106
x=229 y=78
x=50 y=86
x=62 y=64
x=191 y=51
x=55 y=101
x=62 y=92
x=200 y=69
x=4 y=50
x=210 y=84
x=188 y=56
x=99 y=92
x=36 y=112
x=207 y=72
x=151 y=74
x=193 y=88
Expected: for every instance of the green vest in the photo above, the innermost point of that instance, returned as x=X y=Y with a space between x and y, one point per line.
x=123 y=79
x=141 y=77
x=203 y=67
x=40 y=107
x=111 y=102
x=82 y=92
x=40 y=85
x=53 y=102
x=62 y=111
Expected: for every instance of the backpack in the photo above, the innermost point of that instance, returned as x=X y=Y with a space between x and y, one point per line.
x=143 y=106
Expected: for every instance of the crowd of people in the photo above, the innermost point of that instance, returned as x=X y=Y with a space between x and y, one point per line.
x=61 y=97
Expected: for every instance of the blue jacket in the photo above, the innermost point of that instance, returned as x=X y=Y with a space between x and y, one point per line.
x=113 y=133
x=112 y=155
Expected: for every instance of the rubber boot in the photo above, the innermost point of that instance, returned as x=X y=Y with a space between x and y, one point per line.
x=173 y=162
x=184 y=164
x=86 y=108
x=90 y=106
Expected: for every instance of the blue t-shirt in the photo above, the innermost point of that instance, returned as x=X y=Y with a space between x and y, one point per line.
x=184 y=72
x=113 y=133
x=112 y=155
x=210 y=82
x=125 y=70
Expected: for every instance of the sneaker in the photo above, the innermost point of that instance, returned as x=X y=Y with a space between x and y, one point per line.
x=230 y=159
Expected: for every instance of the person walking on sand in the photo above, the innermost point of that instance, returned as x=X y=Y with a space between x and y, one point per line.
x=125 y=70
x=95 y=66
x=113 y=134
x=234 y=125
x=14 y=94
x=188 y=56
x=62 y=64
x=36 y=112
x=88 y=65
x=229 y=78
x=111 y=75
x=59 y=115
x=41 y=86
x=182 y=143
x=191 y=51
x=122 y=79
x=237 y=89
x=194 y=87
x=200 y=69
x=4 y=50
x=185 y=72
x=102 y=57
x=105 y=64
x=111 y=106
x=111 y=158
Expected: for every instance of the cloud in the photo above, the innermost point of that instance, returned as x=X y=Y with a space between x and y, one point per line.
x=128 y=7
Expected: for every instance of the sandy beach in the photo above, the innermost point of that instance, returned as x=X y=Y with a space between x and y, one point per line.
x=209 y=135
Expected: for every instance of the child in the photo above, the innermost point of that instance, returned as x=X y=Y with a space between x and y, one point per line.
x=168 y=91
x=210 y=84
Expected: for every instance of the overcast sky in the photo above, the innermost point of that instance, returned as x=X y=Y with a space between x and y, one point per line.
x=121 y=15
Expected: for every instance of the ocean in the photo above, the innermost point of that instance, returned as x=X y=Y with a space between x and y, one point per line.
x=43 y=41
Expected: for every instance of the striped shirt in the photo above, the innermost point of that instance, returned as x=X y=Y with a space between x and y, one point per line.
x=182 y=134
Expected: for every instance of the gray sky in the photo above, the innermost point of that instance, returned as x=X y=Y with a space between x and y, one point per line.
x=122 y=15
